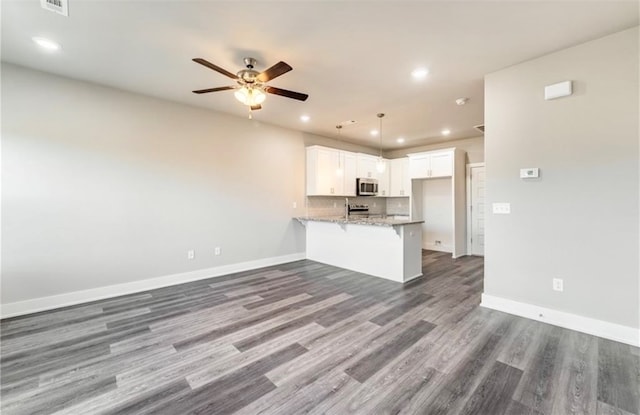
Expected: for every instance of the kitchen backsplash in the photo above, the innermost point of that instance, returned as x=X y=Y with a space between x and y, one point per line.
x=398 y=206
x=334 y=205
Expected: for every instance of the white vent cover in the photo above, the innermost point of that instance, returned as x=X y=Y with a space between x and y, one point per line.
x=347 y=123
x=479 y=128
x=58 y=6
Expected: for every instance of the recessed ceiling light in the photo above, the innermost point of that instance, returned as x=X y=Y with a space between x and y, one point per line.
x=420 y=73
x=46 y=44
x=374 y=132
x=445 y=132
x=400 y=140
x=304 y=118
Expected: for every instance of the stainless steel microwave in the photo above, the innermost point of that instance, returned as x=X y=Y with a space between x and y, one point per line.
x=366 y=186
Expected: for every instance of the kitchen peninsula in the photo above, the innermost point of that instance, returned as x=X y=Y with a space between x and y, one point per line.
x=386 y=247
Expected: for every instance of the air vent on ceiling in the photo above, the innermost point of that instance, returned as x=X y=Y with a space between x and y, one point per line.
x=347 y=123
x=479 y=128
x=58 y=6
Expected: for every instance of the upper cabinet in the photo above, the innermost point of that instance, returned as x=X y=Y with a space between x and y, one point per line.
x=367 y=166
x=384 y=180
x=431 y=164
x=399 y=180
x=330 y=172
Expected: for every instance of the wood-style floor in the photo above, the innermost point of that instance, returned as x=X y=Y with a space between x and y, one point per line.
x=310 y=338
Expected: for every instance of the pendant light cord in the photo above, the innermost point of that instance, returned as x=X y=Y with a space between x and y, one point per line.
x=380 y=115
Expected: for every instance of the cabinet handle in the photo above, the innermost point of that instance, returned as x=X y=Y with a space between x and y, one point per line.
x=332 y=190
x=401 y=192
x=369 y=174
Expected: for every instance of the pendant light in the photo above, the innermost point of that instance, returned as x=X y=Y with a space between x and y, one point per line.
x=339 y=170
x=381 y=165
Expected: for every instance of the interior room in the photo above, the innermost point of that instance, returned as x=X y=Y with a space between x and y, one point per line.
x=320 y=207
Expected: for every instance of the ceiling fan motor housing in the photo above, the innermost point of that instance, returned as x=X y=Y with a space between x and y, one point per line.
x=248 y=75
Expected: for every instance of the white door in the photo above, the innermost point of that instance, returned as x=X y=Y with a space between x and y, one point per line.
x=477 y=210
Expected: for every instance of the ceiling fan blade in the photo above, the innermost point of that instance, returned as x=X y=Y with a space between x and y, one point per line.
x=221 y=88
x=274 y=72
x=285 y=93
x=215 y=68
x=256 y=107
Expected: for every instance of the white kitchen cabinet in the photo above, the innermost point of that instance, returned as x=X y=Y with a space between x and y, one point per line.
x=383 y=180
x=349 y=166
x=367 y=166
x=399 y=180
x=431 y=164
x=330 y=172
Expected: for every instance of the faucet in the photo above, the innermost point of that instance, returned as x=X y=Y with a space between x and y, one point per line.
x=346 y=208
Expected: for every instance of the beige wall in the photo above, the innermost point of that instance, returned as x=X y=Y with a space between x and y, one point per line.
x=474 y=147
x=103 y=187
x=579 y=221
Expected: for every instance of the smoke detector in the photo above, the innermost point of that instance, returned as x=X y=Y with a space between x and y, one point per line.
x=462 y=101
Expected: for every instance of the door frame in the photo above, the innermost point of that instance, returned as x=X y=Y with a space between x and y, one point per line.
x=468 y=185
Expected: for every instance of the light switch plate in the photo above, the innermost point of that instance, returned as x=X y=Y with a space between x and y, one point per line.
x=501 y=208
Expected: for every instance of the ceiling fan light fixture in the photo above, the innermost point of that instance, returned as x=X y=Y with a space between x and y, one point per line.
x=250 y=96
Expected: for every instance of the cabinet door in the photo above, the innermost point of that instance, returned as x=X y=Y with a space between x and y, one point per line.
x=406 y=178
x=399 y=181
x=441 y=165
x=383 y=180
x=419 y=166
x=323 y=178
x=350 y=173
x=367 y=166
x=328 y=180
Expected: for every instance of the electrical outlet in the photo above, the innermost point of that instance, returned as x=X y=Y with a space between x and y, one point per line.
x=438 y=242
x=335 y=205
x=191 y=254
x=374 y=204
x=217 y=250
x=295 y=205
x=501 y=208
x=558 y=284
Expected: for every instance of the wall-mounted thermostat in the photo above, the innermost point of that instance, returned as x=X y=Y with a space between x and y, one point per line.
x=530 y=173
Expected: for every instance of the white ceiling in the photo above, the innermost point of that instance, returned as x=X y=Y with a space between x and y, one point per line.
x=353 y=58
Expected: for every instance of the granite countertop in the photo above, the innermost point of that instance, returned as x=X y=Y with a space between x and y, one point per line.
x=354 y=220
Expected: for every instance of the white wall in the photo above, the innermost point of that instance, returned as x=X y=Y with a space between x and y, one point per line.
x=579 y=221
x=104 y=187
x=474 y=148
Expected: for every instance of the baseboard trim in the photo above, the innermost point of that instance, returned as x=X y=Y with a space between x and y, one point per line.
x=439 y=248
x=79 y=297
x=604 y=329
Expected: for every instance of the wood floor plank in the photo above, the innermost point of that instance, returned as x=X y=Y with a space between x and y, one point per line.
x=618 y=376
x=494 y=393
x=364 y=368
x=306 y=337
x=540 y=380
x=579 y=376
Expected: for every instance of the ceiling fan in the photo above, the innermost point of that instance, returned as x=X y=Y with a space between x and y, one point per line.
x=252 y=86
